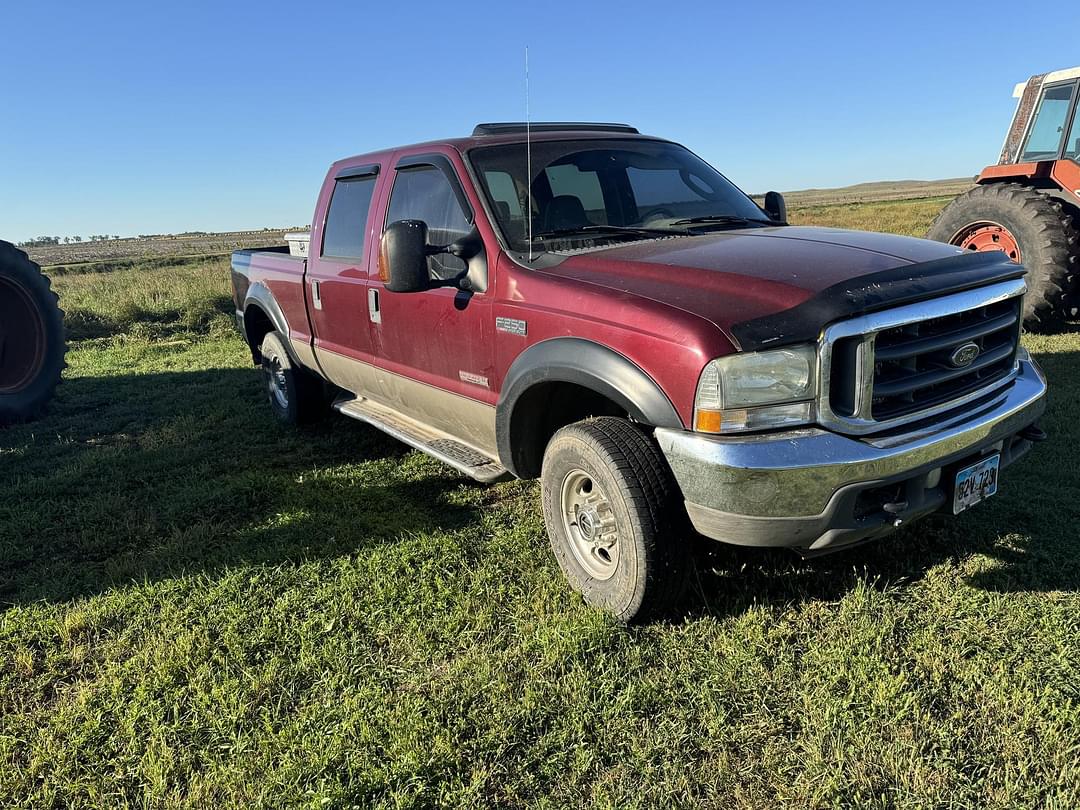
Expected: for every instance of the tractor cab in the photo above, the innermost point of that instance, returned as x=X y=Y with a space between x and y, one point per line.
x=1047 y=102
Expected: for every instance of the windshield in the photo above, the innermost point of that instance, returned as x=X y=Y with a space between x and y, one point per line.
x=596 y=190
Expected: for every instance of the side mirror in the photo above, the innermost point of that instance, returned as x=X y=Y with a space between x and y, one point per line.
x=403 y=256
x=775 y=207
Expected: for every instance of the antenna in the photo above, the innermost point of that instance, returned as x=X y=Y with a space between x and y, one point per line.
x=528 y=155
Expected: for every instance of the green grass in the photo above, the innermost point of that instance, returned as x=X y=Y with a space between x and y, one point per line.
x=907 y=217
x=199 y=608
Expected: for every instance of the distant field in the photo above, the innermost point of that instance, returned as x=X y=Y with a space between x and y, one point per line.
x=880 y=192
x=850 y=207
x=155 y=247
x=200 y=608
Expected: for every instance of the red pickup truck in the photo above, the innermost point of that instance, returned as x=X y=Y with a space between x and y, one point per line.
x=605 y=311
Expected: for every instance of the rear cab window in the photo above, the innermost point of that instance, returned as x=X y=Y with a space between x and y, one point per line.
x=344 y=233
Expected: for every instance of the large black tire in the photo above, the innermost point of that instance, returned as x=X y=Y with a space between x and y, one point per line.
x=32 y=345
x=1045 y=234
x=645 y=571
x=295 y=395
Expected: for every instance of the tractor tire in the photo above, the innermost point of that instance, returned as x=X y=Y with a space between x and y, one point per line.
x=32 y=346
x=1033 y=229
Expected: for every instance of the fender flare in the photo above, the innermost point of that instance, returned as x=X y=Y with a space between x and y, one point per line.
x=259 y=295
x=590 y=365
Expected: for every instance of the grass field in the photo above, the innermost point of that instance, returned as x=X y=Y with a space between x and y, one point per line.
x=199 y=608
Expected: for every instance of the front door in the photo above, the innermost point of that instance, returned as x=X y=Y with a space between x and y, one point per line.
x=433 y=349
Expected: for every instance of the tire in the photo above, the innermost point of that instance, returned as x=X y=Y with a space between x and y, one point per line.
x=295 y=394
x=1047 y=239
x=32 y=346
x=645 y=571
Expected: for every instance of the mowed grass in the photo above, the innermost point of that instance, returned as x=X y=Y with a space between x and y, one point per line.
x=199 y=608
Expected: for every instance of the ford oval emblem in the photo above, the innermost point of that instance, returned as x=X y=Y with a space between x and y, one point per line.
x=964 y=355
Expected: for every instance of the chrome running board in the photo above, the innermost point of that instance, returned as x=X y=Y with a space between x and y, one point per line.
x=434 y=442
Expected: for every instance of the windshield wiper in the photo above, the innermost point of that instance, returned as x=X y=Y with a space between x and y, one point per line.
x=723 y=219
x=606 y=230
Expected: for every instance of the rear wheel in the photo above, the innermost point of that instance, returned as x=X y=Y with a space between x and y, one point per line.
x=1030 y=228
x=32 y=343
x=613 y=518
x=295 y=395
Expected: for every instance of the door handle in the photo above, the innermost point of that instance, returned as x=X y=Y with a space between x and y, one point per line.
x=373 y=305
x=316 y=294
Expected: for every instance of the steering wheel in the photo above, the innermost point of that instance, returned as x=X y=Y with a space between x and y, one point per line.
x=657 y=214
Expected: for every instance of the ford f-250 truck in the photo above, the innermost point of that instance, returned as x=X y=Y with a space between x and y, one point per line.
x=605 y=311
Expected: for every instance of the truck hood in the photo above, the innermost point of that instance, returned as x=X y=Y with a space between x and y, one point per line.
x=735 y=277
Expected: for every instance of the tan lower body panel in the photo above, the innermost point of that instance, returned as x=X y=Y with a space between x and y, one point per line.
x=304 y=353
x=467 y=420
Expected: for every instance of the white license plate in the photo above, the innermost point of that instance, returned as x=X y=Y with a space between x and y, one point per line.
x=975 y=483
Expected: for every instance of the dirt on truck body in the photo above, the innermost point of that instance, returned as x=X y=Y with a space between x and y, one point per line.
x=664 y=355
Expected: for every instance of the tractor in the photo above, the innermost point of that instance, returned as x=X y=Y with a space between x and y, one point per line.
x=1028 y=204
x=32 y=346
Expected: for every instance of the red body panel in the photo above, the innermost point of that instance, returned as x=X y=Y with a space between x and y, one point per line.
x=340 y=324
x=668 y=305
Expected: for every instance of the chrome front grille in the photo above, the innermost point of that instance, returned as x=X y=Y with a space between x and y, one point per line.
x=914 y=367
x=899 y=365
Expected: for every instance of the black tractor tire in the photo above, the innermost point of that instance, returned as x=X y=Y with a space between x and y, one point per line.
x=637 y=499
x=1045 y=234
x=32 y=345
x=296 y=395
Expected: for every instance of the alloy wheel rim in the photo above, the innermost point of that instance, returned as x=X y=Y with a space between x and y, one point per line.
x=589 y=523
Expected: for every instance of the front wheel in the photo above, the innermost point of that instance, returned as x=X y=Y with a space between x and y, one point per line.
x=612 y=517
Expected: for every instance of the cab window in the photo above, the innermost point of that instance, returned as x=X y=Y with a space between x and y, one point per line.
x=1072 y=143
x=424 y=193
x=1048 y=128
x=346 y=220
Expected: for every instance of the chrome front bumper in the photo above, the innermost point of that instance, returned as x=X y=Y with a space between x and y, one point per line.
x=815 y=491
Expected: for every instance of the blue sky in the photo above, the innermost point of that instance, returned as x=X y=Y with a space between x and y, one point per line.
x=150 y=117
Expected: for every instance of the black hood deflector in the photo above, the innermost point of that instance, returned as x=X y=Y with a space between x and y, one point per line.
x=889 y=288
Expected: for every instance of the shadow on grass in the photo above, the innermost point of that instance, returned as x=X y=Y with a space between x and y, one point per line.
x=1028 y=532
x=143 y=477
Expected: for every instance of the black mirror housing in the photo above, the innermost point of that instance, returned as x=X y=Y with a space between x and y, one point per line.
x=403 y=256
x=775 y=207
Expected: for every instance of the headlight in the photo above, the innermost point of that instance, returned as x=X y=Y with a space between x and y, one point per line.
x=757 y=390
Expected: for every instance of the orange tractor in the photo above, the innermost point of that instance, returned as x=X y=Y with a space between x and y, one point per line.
x=1028 y=205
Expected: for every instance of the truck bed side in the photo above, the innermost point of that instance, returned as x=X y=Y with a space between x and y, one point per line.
x=268 y=292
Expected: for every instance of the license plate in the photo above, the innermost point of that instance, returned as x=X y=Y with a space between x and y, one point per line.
x=975 y=483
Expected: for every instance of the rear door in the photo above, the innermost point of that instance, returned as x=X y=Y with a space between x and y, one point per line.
x=434 y=348
x=337 y=276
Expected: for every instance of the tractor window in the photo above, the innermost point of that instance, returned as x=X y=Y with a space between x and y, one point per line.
x=1072 y=145
x=1048 y=128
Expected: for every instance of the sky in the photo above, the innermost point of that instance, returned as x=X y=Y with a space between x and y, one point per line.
x=158 y=117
